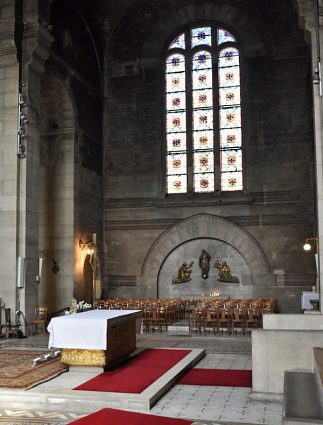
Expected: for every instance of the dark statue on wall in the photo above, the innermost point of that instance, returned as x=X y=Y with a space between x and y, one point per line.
x=184 y=273
x=204 y=263
x=225 y=272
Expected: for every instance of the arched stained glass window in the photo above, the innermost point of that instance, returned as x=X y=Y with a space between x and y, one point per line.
x=203 y=112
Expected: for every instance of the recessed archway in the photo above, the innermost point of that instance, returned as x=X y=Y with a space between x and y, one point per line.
x=203 y=226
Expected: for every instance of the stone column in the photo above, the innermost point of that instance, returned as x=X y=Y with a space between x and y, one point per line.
x=312 y=15
x=19 y=175
x=9 y=86
x=35 y=51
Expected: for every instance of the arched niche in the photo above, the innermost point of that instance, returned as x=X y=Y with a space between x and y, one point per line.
x=204 y=227
x=190 y=252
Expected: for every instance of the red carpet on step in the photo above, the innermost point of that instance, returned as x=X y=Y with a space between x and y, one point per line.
x=217 y=378
x=122 y=417
x=137 y=374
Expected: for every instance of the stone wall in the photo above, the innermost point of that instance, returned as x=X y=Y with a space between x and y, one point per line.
x=277 y=207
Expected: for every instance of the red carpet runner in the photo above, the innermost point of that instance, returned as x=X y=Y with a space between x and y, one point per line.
x=137 y=374
x=217 y=378
x=122 y=417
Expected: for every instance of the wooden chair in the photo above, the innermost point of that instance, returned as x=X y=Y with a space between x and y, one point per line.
x=10 y=329
x=225 y=321
x=40 y=319
x=196 y=320
x=253 y=319
x=210 y=324
x=239 y=317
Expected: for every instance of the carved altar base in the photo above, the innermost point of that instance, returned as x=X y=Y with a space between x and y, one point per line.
x=121 y=342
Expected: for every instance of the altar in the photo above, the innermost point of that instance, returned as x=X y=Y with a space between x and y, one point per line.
x=94 y=338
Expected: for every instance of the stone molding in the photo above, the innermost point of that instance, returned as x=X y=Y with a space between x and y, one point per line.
x=205 y=226
x=255 y=220
x=36 y=46
x=255 y=197
x=8 y=50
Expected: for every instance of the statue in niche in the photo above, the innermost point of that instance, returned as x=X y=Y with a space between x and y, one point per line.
x=204 y=263
x=184 y=273
x=225 y=272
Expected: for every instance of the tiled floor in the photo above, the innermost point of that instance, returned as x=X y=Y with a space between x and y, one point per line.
x=224 y=404
x=199 y=403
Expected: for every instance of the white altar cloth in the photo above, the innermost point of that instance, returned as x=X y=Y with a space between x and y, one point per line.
x=87 y=331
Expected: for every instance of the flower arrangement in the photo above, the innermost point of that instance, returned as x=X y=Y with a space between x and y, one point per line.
x=78 y=306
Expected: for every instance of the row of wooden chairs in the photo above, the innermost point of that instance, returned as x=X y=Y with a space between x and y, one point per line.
x=225 y=320
x=204 y=314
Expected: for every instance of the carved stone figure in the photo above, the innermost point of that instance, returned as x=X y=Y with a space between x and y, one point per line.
x=225 y=272
x=184 y=273
x=204 y=263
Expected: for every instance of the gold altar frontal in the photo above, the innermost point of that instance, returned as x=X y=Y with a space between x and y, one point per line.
x=121 y=341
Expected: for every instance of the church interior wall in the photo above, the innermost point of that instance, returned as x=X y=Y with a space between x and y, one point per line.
x=278 y=204
x=110 y=63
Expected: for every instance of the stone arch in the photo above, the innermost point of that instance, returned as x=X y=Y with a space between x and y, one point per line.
x=224 y=13
x=206 y=226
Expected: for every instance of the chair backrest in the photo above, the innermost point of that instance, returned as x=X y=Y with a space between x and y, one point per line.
x=7 y=317
x=41 y=313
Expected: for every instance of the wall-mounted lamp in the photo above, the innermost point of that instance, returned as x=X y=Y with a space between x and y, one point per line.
x=309 y=246
x=89 y=245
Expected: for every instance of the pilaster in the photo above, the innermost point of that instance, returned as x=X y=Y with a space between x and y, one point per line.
x=9 y=83
x=35 y=52
x=312 y=14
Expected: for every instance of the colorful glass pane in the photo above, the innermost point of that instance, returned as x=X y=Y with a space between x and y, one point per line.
x=230 y=138
x=175 y=101
x=176 y=122
x=202 y=60
x=224 y=36
x=175 y=63
x=202 y=98
x=203 y=162
x=176 y=142
x=229 y=76
x=231 y=160
x=231 y=181
x=203 y=114
x=178 y=42
x=203 y=139
x=204 y=182
x=203 y=119
x=229 y=96
x=202 y=78
x=176 y=163
x=230 y=117
x=229 y=57
x=200 y=36
x=177 y=184
x=175 y=82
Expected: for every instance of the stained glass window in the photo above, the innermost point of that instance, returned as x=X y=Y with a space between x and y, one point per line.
x=201 y=36
x=178 y=42
x=230 y=120
x=224 y=36
x=203 y=119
